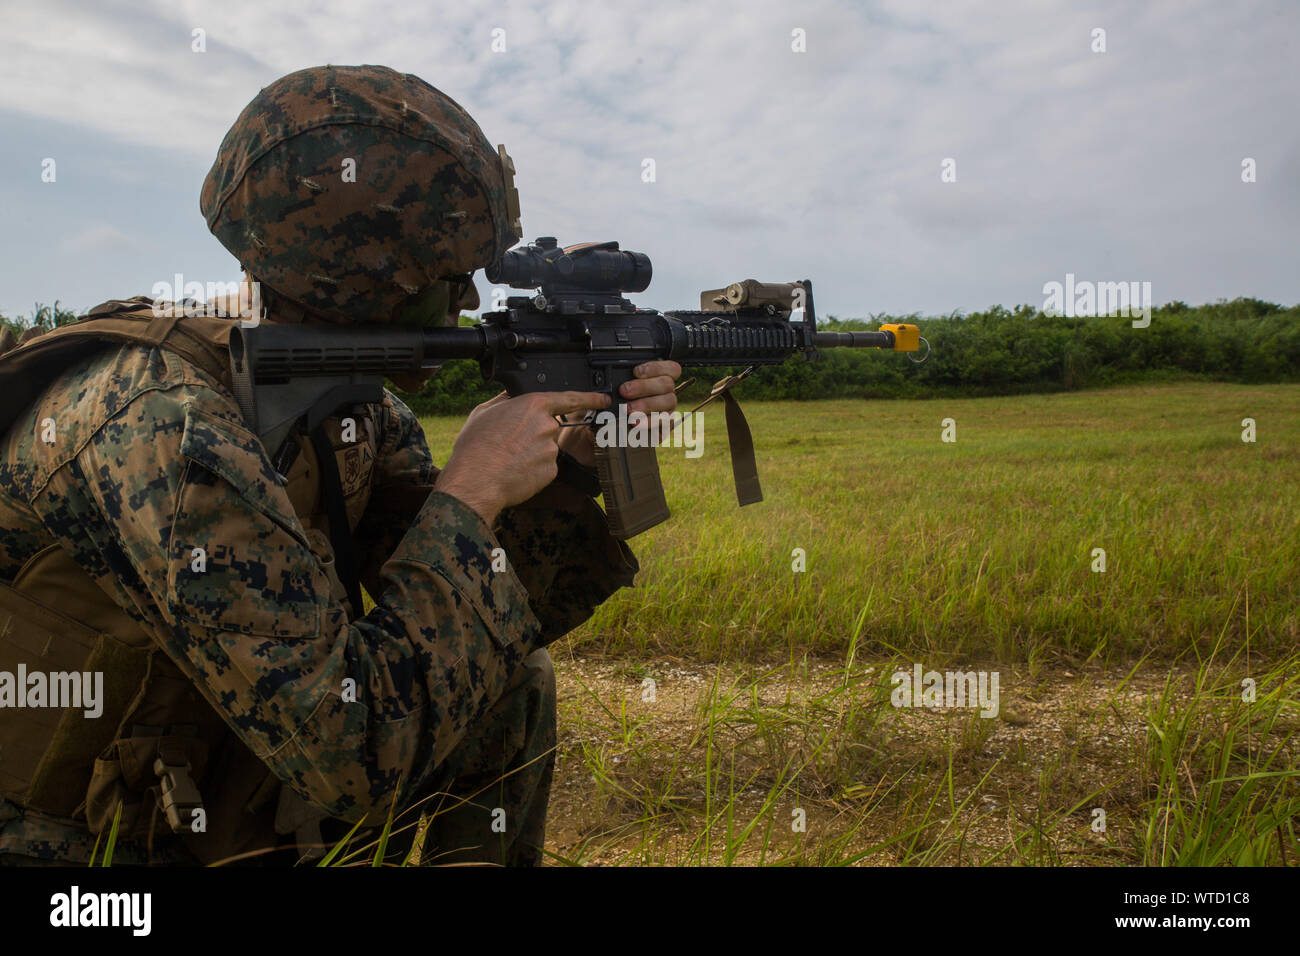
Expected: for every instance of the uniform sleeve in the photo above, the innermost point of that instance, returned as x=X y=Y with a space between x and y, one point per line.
x=557 y=543
x=559 y=546
x=176 y=498
x=403 y=478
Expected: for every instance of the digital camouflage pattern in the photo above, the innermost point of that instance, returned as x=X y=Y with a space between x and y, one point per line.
x=431 y=198
x=152 y=460
x=354 y=194
x=504 y=766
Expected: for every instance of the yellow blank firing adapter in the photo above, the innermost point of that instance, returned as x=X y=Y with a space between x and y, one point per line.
x=907 y=338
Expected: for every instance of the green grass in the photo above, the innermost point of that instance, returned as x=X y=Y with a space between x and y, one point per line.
x=980 y=548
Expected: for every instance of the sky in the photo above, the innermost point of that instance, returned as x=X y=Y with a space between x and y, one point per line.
x=789 y=140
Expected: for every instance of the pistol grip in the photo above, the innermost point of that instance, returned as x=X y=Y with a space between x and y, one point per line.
x=633 y=490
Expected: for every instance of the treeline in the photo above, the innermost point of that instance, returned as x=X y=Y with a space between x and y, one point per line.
x=995 y=352
x=43 y=317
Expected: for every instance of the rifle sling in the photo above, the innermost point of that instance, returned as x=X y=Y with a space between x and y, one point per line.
x=744 y=467
x=345 y=558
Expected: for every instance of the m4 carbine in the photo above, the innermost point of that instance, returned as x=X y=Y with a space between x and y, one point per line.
x=577 y=333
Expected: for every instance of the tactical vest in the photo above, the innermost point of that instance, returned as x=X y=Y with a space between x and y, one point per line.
x=158 y=751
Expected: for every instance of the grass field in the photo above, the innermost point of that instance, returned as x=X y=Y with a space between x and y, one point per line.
x=1121 y=690
x=983 y=546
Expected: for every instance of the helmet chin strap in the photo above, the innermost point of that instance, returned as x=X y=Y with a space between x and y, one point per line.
x=469 y=299
x=250 y=293
x=282 y=309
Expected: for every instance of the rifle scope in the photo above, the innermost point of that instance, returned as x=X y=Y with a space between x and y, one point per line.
x=589 y=267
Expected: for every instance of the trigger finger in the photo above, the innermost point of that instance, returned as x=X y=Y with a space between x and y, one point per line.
x=564 y=403
x=644 y=387
x=662 y=367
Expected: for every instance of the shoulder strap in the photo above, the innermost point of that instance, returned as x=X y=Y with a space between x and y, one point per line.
x=345 y=556
x=27 y=366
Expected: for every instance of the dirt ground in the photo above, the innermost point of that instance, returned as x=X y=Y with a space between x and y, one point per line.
x=631 y=784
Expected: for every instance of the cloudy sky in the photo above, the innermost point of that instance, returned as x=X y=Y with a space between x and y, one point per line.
x=770 y=163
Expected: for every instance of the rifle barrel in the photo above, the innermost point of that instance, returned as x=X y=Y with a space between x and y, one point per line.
x=856 y=340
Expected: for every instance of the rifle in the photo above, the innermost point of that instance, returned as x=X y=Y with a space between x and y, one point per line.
x=576 y=333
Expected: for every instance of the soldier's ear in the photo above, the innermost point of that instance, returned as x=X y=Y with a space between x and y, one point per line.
x=428 y=307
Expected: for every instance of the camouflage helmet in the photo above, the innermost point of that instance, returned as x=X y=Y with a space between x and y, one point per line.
x=354 y=190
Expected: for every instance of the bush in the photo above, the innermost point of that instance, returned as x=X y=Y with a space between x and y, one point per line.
x=43 y=317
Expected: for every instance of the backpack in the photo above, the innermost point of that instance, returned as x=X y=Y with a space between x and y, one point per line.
x=30 y=363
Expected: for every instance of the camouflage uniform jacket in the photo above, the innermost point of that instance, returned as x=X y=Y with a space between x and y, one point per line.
x=153 y=460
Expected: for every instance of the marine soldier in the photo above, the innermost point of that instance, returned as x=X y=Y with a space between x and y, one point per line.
x=250 y=709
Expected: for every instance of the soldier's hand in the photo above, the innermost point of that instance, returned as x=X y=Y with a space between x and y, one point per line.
x=651 y=391
x=505 y=453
